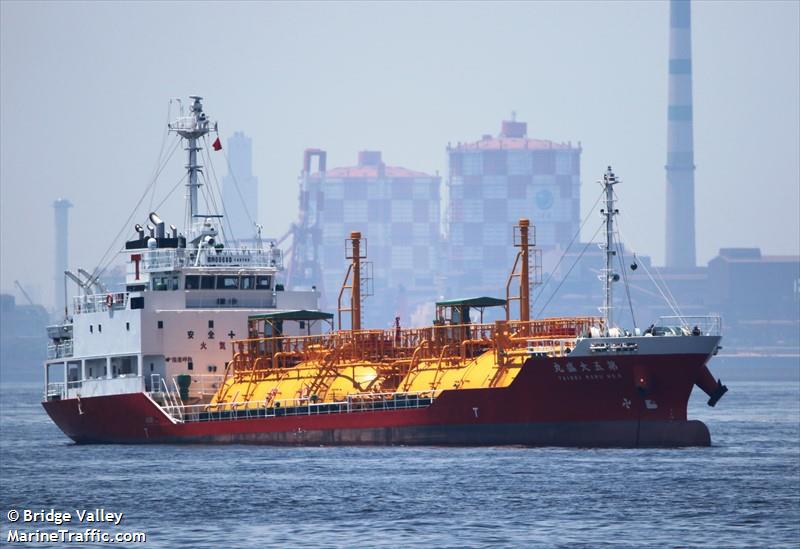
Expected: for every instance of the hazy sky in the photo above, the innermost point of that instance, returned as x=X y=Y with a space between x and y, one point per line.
x=84 y=88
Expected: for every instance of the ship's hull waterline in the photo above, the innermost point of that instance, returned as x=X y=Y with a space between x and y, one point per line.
x=619 y=401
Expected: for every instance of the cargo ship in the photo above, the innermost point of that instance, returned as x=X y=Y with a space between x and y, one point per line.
x=205 y=345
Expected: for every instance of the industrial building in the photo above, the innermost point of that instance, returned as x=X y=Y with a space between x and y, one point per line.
x=491 y=184
x=240 y=189
x=397 y=210
x=757 y=295
x=61 y=252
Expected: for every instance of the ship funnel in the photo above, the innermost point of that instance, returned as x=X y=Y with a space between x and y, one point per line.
x=159 y=223
x=174 y=230
x=152 y=230
x=139 y=230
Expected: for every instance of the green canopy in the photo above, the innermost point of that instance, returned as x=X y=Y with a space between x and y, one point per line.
x=478 y=302
x=300 y=314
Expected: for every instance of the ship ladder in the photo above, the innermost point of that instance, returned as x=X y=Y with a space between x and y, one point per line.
x=319 y=385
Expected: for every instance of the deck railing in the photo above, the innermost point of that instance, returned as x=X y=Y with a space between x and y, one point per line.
x=358 y=402
x=60 y=350
x=173 y=259
x=461 y=341
x=99 y=302
x=710 y=325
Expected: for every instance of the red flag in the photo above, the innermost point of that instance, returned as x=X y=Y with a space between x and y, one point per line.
x=217 y=145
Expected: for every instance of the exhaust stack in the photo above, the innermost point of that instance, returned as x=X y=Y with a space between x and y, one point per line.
x=680 y=244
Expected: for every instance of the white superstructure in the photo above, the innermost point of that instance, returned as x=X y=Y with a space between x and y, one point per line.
x=187 y=297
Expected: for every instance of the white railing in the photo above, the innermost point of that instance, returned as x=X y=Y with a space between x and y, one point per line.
x=189 y=124
x=358 y=402
x=174 y=259
x=99 y=302
x=710 y=325
x=60 y=350
x=163 y=260
x=205 y=384
x=242 y=257
x=550 y=347
x=61 y=389
x=54 y=390
x=95 y=386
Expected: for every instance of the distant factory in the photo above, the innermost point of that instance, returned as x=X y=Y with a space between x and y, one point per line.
x=240 y=190
x=428 y=238
x=491 y=184
x=398 y=212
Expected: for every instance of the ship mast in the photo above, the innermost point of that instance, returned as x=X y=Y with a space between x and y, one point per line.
x=191 y=128
x=609 y=276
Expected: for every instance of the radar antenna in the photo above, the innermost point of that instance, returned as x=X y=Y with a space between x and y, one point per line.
x=191 y=128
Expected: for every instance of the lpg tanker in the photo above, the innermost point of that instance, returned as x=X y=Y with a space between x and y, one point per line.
x=206 y=346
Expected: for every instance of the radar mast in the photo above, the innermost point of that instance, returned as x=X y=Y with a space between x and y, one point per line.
x=191 y=128
x=609 y=276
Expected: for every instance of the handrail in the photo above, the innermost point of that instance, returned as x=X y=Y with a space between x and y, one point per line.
x=60 y=350
x=386 y=346
x=353 y=402
x=100 y=302
x=175 y=258
x=704 y=324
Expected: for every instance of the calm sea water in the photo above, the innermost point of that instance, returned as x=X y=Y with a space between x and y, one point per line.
x=742 y=492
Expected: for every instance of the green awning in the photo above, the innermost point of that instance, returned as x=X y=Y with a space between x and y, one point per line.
x=478 y=302
x=300 y=314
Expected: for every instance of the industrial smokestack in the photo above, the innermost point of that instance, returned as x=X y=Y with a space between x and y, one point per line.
x=61 y=223
x=680 y=141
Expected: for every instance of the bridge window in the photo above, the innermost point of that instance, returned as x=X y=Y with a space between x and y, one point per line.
x=225 y=282
x=248 y=282
x=160 y=283
x=263 y=282
x=192 y=282
x=164 y=283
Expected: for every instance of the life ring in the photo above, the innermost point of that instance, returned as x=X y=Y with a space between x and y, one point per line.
x=109 y=300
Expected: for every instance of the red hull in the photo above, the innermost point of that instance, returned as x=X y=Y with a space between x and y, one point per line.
x=621 y=401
